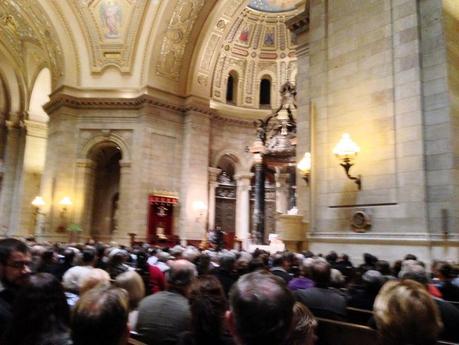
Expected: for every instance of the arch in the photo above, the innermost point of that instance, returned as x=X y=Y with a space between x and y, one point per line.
x=232 y=156
x=14 y=84
x=92 y=143
x=265 y=92
x=232 y=87
x=40 y=95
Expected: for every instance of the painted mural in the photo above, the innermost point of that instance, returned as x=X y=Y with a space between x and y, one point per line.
x=110 y=15
x=273 y=5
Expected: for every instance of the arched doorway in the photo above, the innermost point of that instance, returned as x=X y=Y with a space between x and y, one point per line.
x=106 y=190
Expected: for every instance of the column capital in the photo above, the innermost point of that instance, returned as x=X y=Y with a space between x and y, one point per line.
x=213 y=174
x=85 y=163
x=14 y=124
x=243 y=175
x=125 y=164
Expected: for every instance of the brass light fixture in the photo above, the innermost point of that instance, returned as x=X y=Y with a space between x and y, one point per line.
x=304 y=166
x=346 y=150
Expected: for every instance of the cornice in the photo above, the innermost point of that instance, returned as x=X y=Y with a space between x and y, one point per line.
x=300 y=22
x=234 y=121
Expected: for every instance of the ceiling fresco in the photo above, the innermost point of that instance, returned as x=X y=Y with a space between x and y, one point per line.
x=273 y=5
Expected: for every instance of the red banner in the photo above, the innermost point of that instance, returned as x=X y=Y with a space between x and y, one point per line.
x=162 y=199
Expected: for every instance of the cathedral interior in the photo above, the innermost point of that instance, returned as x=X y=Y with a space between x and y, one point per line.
x=329 y=123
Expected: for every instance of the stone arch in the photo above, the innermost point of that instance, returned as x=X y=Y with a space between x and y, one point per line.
x=14 y=86
x=232 y=156
x=238 y=78
x=40 y=95
x=92 y=143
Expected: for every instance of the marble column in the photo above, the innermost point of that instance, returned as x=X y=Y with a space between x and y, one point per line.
x=125 y=207
x=282 y=191
x=84 y=190
x=258 y=224
x=213 y=184
x=243 y=207
x=9 y=197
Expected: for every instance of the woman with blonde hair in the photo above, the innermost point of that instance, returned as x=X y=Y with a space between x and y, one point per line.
x=132 y=282
x=304 y=326
x=406 y=314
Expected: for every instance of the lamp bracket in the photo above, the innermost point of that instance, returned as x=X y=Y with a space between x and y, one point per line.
x=347 y=166
x=306 y=178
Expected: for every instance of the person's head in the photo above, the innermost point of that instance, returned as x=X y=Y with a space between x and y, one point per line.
x=257 y=264
x=372 y=281
x=132 y=282
x=406 y=314
x=88 y=257
x=227 y=261
x=261 y=309
x=369 y=259
x=332 y=257
x=15 y=262
x=383 y=266
x=100 y=317
x=410 y=257
x=445 y=271
x=95 y=278
x=40 y=311
x=303 y=326
x=180 y=276
x=279 y=260
x=208 y=305
x=320 y=273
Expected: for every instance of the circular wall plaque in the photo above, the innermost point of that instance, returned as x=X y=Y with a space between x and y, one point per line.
x=360 y=221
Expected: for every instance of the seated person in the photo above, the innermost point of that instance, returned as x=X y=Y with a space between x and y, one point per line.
x=322 y=300
x=100 y=317
x=406 y=314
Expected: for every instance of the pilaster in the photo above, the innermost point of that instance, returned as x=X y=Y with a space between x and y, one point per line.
x=11 y=184
x=243 y=207
x=195 y=175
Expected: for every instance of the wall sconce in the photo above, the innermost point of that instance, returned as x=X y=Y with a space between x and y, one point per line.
x=200 y=207
x=346 y=150
x=65 y=203
x=38 y=217
x=304 y=166
x=38 y=202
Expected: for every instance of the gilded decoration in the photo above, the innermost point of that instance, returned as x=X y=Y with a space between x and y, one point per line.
x=112 y=28
x=254 y=44
x=177 y=37
x=24 y=23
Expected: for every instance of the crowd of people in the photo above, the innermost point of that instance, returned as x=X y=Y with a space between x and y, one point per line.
x=100 y=294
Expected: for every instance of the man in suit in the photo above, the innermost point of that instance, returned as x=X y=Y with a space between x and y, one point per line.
x=166 y=314
x=261 y=310
x=322 y=300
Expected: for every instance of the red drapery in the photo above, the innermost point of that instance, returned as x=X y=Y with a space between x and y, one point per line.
x=160 y=217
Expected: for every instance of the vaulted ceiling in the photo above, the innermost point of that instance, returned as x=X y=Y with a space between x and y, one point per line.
x=127 y=45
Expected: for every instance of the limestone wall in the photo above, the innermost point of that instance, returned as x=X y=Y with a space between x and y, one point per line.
x=364 y=80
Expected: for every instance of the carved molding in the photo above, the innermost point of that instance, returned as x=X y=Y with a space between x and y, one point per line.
x=111 y=29
x=176 y=38
x=24 y=21
x=299 y=23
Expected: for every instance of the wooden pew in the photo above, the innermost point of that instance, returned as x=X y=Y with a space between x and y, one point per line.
x=135 y=339
x=359 y=316
x=331 y=332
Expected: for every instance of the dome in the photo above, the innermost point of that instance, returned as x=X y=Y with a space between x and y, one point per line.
x=274 y=6
x=258 y=47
